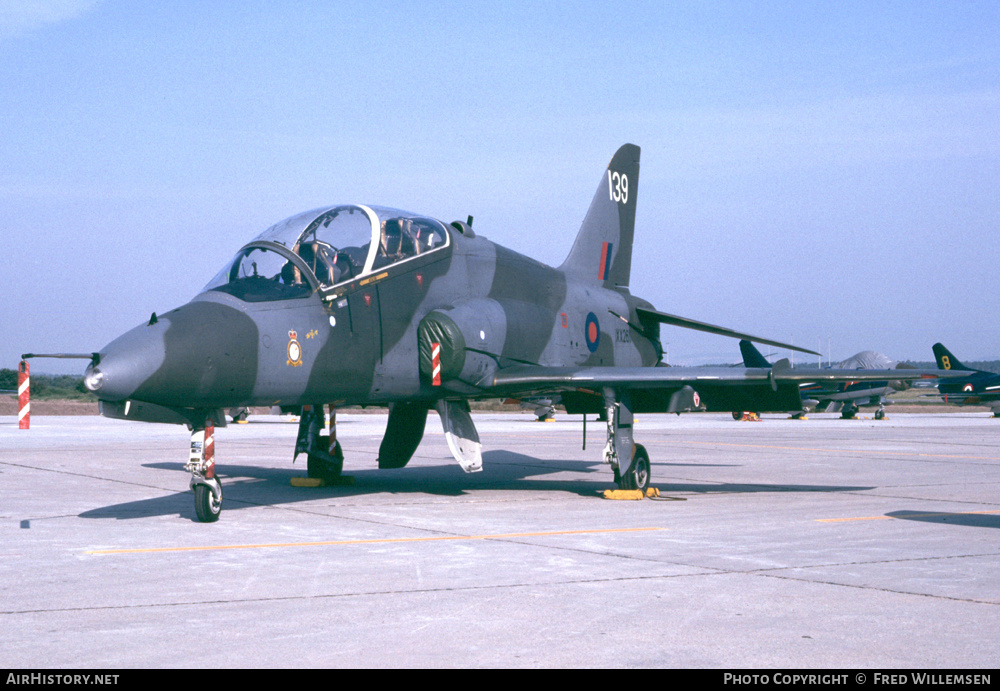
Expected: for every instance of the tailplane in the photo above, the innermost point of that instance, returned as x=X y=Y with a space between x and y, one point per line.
x=602 y=252
x=945 y=360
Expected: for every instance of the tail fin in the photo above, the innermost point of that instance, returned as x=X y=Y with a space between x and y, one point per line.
x=602 y=252
x=752 y=356
x=945 y=360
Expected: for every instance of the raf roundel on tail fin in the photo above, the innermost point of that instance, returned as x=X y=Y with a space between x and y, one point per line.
x=602 y=252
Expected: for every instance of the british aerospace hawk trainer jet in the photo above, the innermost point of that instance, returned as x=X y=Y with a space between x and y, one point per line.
x=354 y=304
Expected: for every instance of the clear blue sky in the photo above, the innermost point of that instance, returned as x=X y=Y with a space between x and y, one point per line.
x=824 y=173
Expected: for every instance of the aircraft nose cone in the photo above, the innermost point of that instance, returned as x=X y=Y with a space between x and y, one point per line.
x=126 y=363
x=201 y=355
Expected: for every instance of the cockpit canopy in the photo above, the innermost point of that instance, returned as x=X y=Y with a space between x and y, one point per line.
x=325 y=247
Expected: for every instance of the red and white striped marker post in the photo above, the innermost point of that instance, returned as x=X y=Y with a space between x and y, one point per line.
x=209 y=450
x=435 y=364
x=23 y=396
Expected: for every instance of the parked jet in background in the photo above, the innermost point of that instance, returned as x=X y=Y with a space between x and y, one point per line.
x=369 y=305
x=843 y=396
x=977 y=388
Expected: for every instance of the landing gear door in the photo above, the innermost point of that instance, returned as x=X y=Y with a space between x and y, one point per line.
x=364 y=322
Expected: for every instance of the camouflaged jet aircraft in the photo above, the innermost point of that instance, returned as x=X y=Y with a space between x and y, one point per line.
x=844 y=397
x=354 y=304
x=975 y=387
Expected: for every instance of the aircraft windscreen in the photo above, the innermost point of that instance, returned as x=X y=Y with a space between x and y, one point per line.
x=288 y=231
x=258 y=274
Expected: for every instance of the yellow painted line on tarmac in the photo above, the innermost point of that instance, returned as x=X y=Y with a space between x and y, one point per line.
x=807 y=448
x=444 y=538
x=907 y=516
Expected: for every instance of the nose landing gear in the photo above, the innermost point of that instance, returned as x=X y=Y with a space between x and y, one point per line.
x=201 y=465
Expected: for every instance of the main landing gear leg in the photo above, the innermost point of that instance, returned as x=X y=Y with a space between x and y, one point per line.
x=629 y=460
x=325 y=457
x=201 y=465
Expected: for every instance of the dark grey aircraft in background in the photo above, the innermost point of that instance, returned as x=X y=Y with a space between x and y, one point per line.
x=367 y=305
x=972 y=387
x=844 y=397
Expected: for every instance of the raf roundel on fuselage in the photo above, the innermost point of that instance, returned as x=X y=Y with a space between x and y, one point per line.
x=325 y=247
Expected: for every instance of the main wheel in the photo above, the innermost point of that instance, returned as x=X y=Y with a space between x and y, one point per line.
x=205 y=503
x=324 y=469
x=637 y=476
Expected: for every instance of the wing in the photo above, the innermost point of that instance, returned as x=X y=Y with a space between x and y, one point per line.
x=663 y=389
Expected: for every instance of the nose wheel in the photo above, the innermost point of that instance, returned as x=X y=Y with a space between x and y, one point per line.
x=201 y=464
x=208 y=501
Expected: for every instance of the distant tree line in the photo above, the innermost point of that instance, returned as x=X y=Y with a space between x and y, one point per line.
x=985 y=365
x=56 y=386
x=49 y=385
